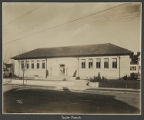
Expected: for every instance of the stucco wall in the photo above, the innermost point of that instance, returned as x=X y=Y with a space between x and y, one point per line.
x=28 y=72
x=52 y=66
x=74 y=64
x=124 y=66
x=110 y=73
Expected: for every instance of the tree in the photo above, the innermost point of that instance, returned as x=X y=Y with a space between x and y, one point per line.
x=135 y=58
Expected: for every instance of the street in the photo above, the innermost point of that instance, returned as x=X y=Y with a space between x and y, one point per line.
x=50 y=101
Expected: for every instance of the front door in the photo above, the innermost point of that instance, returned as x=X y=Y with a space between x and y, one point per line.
x=62 y=70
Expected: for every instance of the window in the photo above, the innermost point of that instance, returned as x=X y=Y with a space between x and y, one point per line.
x=22 y=64
x=106 y=63
x=114 y=62
x=98 y=63
x=27 y=65
x=133 y=68
x=32 y=65
x=43 y=64
x=90 y=63
x=38 y=65
x=83 y=64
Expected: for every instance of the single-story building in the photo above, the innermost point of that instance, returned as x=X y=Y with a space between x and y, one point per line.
x=85 y=61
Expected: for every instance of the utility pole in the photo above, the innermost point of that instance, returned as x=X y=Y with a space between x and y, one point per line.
x=78 y=66
x=23 y=77
x=119 y=67
x=23 y=69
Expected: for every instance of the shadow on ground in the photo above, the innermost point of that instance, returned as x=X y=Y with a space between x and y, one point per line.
x=47 y=101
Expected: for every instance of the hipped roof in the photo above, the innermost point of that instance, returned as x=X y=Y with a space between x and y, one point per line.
x=107 y=49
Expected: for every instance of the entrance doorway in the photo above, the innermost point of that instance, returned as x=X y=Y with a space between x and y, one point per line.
x=62 y=69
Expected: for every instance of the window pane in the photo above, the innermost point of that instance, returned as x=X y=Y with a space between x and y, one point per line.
x=27 y=66
x=37 y=65
x=90 y=63
x=32 y=65
x=22 y=64
x=133 y=68
x=98 y=63
x=106 y=63
x=114 y=63
x=83 y=63
x=43 y=65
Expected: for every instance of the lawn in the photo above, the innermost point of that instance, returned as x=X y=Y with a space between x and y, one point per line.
x=46 y=101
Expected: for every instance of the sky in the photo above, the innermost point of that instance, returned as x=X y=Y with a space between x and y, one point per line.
x=27 y=26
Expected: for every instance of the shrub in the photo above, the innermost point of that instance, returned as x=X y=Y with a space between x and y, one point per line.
x=104 y=79
x=134 y=76
x=125 y=77
x=96 y=79
x=64 y=79
x=77 y=78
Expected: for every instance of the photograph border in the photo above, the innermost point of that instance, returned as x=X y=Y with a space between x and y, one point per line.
x=43 y=116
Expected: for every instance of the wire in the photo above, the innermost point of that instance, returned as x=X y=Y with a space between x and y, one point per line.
x=23 y=15
x=68 y=22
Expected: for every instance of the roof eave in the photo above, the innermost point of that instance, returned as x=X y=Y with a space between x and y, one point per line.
x=90 y=55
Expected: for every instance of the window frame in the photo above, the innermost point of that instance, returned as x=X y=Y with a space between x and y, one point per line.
x=98 y=63
x=22 y=64
x=90 y=63
x=38 y=64
x=32 y=65
x=133 y=68
x=83 y=64
x=106 y=60
x=43 y=64
x=114 y=66
x=27 y=65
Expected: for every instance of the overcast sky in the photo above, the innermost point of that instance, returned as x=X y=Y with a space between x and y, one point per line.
x=26 y=26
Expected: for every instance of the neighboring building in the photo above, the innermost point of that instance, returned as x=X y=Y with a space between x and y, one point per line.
x=135 y=65
x=8 y=70
x=108 y=60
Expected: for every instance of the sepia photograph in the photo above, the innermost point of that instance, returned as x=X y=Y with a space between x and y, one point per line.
x=71 y=58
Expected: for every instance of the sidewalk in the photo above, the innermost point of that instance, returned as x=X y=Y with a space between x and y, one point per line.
x=58 y=84
x=74 y=85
